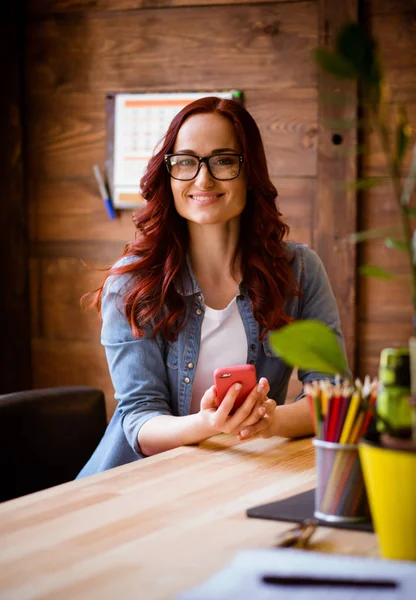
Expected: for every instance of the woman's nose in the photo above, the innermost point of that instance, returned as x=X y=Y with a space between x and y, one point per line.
x=204 y=178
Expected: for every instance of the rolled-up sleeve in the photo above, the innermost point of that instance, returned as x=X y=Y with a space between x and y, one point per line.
x=136 y=366
x=318 y=303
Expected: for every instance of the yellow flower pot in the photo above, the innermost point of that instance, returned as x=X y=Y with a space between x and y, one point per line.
x=390 y=479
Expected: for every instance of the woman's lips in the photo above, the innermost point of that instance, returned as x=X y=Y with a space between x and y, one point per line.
x=205 y=198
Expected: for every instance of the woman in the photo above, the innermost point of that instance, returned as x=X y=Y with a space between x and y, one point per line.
x=206 y=280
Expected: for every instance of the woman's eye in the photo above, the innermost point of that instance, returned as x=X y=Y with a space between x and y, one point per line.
x=186 y=162
x=224 y=161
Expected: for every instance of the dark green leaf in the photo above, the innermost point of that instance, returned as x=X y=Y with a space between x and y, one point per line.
x=374 y=271
x=410 y=211
x=333 y=63
x=396 y=244
x=359 y=50
x=309 y=345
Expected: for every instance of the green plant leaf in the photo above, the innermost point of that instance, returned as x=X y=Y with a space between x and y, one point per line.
x=372 y=234
x=396 y=244
x=332 y=62
x=359 y=50
x=366 y=183
x=410 y=210
x=310 y=345
x=374 y=271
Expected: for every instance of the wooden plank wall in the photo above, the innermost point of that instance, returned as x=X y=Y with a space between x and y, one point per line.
x=336 y=203
x=384 y=307
x=79 y=51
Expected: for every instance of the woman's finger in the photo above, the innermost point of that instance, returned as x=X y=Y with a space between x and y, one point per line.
x=253 y=411
x=249 y=409
x=264 y=423
x=226 y=406
x=209 y=399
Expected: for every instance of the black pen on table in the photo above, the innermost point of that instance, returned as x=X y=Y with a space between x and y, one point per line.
x=319 y=581
x=103 y=191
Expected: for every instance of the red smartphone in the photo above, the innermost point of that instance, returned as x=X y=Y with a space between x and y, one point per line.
x=225 y=377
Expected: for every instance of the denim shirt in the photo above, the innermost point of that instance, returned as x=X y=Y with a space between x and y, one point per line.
x=154 y=377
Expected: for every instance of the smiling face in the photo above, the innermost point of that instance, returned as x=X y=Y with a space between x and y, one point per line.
x=205 y=200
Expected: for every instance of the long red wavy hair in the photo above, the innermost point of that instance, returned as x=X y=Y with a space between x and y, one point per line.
x=162 y=239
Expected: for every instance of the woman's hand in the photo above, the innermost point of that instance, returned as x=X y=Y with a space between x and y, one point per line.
x=265 y=427
x=253 y=409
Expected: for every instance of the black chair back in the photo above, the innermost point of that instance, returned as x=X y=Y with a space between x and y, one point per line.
x=46 y=436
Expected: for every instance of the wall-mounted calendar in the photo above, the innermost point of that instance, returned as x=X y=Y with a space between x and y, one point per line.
x=136 y=124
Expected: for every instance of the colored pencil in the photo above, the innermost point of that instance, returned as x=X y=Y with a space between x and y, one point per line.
x=341 y=412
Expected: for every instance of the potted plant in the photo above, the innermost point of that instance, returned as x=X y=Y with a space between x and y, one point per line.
x=389 y=456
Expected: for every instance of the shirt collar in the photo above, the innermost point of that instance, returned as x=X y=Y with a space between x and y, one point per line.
x=185 y=282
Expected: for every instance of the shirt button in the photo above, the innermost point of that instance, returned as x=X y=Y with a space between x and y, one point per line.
x=187 y=380
x=190 y=365
x=198 y=311
x=199 y=298
x=253 y=346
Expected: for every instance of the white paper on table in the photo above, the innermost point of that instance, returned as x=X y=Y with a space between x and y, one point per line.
x=242 y=578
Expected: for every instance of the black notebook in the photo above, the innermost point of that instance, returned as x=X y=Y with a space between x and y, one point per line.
x=296 y=509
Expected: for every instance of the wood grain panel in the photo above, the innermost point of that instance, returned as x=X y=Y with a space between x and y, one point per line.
x=385 y=299
x=393 y=25
x=67 y=133
x=295 y=202
x=386 y=8
x=384 y=319
x=101 y=254
x=390 y=299
x=335 y=210
x=64 y=282
x=66 y=136
x=287 y=119
x=71 y=363
x=46 y=7
x=173 y=49
x=95 y=225
x=375 y=335
x=379 y=210
x=394 y=332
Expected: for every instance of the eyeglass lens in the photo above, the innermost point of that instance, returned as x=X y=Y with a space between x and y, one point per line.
x=221 y=166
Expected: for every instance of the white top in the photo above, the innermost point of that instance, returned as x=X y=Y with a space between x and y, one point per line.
x=223 y=344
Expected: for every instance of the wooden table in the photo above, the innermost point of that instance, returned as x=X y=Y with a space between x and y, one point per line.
x=154 y=528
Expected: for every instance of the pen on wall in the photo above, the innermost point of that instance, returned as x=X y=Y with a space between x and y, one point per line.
x=104 y=194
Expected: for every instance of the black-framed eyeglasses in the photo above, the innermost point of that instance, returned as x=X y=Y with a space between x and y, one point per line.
x=185 y=167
